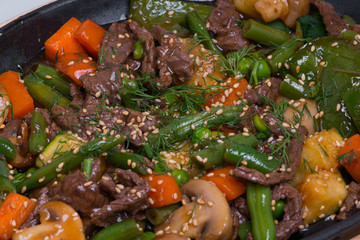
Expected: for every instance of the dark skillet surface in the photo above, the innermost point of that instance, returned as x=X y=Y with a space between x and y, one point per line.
x=22 y=40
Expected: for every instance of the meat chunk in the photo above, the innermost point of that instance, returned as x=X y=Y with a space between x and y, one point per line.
x=223 y=22
x=351 y=203
x=80 y=193
x=292 y=211
x=269 y=88
x=106 y=81
x=129 y=198
x=240 y=213
x=118 y=44
x=333 y=22
x=173 y=61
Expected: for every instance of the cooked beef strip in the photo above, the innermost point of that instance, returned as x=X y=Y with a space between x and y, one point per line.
x=333 y=22
x=81 y=194
x=117 y=45
x=106 y=81
x=148 y=64
x=129 y=193
x=223 y=22
x=240 y=213
x=351 y=203
x=269 y=88
x=42 y=196
x=246 y=174
x=355 y=28
x=11 y=128
x=292 y=211
x=95 y=115
x=173 y=61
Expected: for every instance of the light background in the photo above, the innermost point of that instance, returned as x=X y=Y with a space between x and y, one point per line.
x=12 y=8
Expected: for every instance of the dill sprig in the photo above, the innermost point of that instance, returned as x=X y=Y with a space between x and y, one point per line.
x=229 y=64
x=277 y=109
x=307 y=166
x=348 y=158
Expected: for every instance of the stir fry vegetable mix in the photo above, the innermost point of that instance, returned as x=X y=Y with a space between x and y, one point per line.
x=186 y=121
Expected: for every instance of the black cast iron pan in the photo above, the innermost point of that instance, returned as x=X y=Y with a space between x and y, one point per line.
x=23 y=39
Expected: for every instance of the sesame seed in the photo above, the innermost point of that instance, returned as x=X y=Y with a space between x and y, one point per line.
x=218 y=112
x=170 y=13
x=13 y=223
x=138 y=194
x=98 y=94
x=125 y=113
x=88 y=183
x=301 y=82
x=160 y=182
x=312 y=48
x=175 y=196
x=334 y=44
x=48 y=77
x=71 y=63
x=41 y=179
x=338 y=107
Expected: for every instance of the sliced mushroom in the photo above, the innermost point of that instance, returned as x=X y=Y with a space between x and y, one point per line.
x=206 y=214
x=4 y=104
x=170 y=237
x=58 y=222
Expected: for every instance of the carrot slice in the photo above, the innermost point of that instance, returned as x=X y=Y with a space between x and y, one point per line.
x=90 y=35
x=64 y=41
x=22 y=102
x=164 y=190
x=74 y=65
x=349 y=156
x=231 y=187
x=231 y=95
x=13 y=212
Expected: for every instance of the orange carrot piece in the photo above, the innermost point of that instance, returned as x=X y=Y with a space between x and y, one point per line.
x=63 y=41
x=74 y=65
x=165 y=190
x=350 y=156
x=22 y=102
x=13 y=212
x=231 y=95
x=231 y=187
x=90 y=35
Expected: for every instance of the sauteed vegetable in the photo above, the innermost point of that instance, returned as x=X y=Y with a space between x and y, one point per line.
x=186 y=121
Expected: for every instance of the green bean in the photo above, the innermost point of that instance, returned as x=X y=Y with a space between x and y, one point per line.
x=263 y=34
x=283 y=53
x=138 y=50
x=6 y=187
x=43 y=93
x=87 y=167
x=244 y=229
x=146 y=236
x=124 y=230
x=127 y=160
x=259 y=201
x=279 y=25
x=249 y=141
x=53 y=78
x=240 y=154
x=180 y=129
x=159 y=215
x=38 y=136
x=68 y=161
x=7 y=149
x=291 y=88
x=209 y=157
x=196 y=25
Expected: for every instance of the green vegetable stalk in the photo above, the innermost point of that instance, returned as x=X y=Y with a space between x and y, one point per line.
x=159 y=215
x=7 y=149
x=38 y=136
x=124 y=230
x=68 y=161
x=259 y=202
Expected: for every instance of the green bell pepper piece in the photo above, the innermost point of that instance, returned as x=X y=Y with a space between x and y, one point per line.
x=352 y=102
x=166 y=13
x=334 y=83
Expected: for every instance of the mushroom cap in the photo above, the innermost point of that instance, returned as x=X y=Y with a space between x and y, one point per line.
x=207 y=214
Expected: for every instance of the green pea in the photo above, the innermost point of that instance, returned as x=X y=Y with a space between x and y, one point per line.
x=170 y=98
x=263 y=70
x=138 y=51
x=181 y=176
x=200 y=134
x=245 y=65
x=278 y=209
